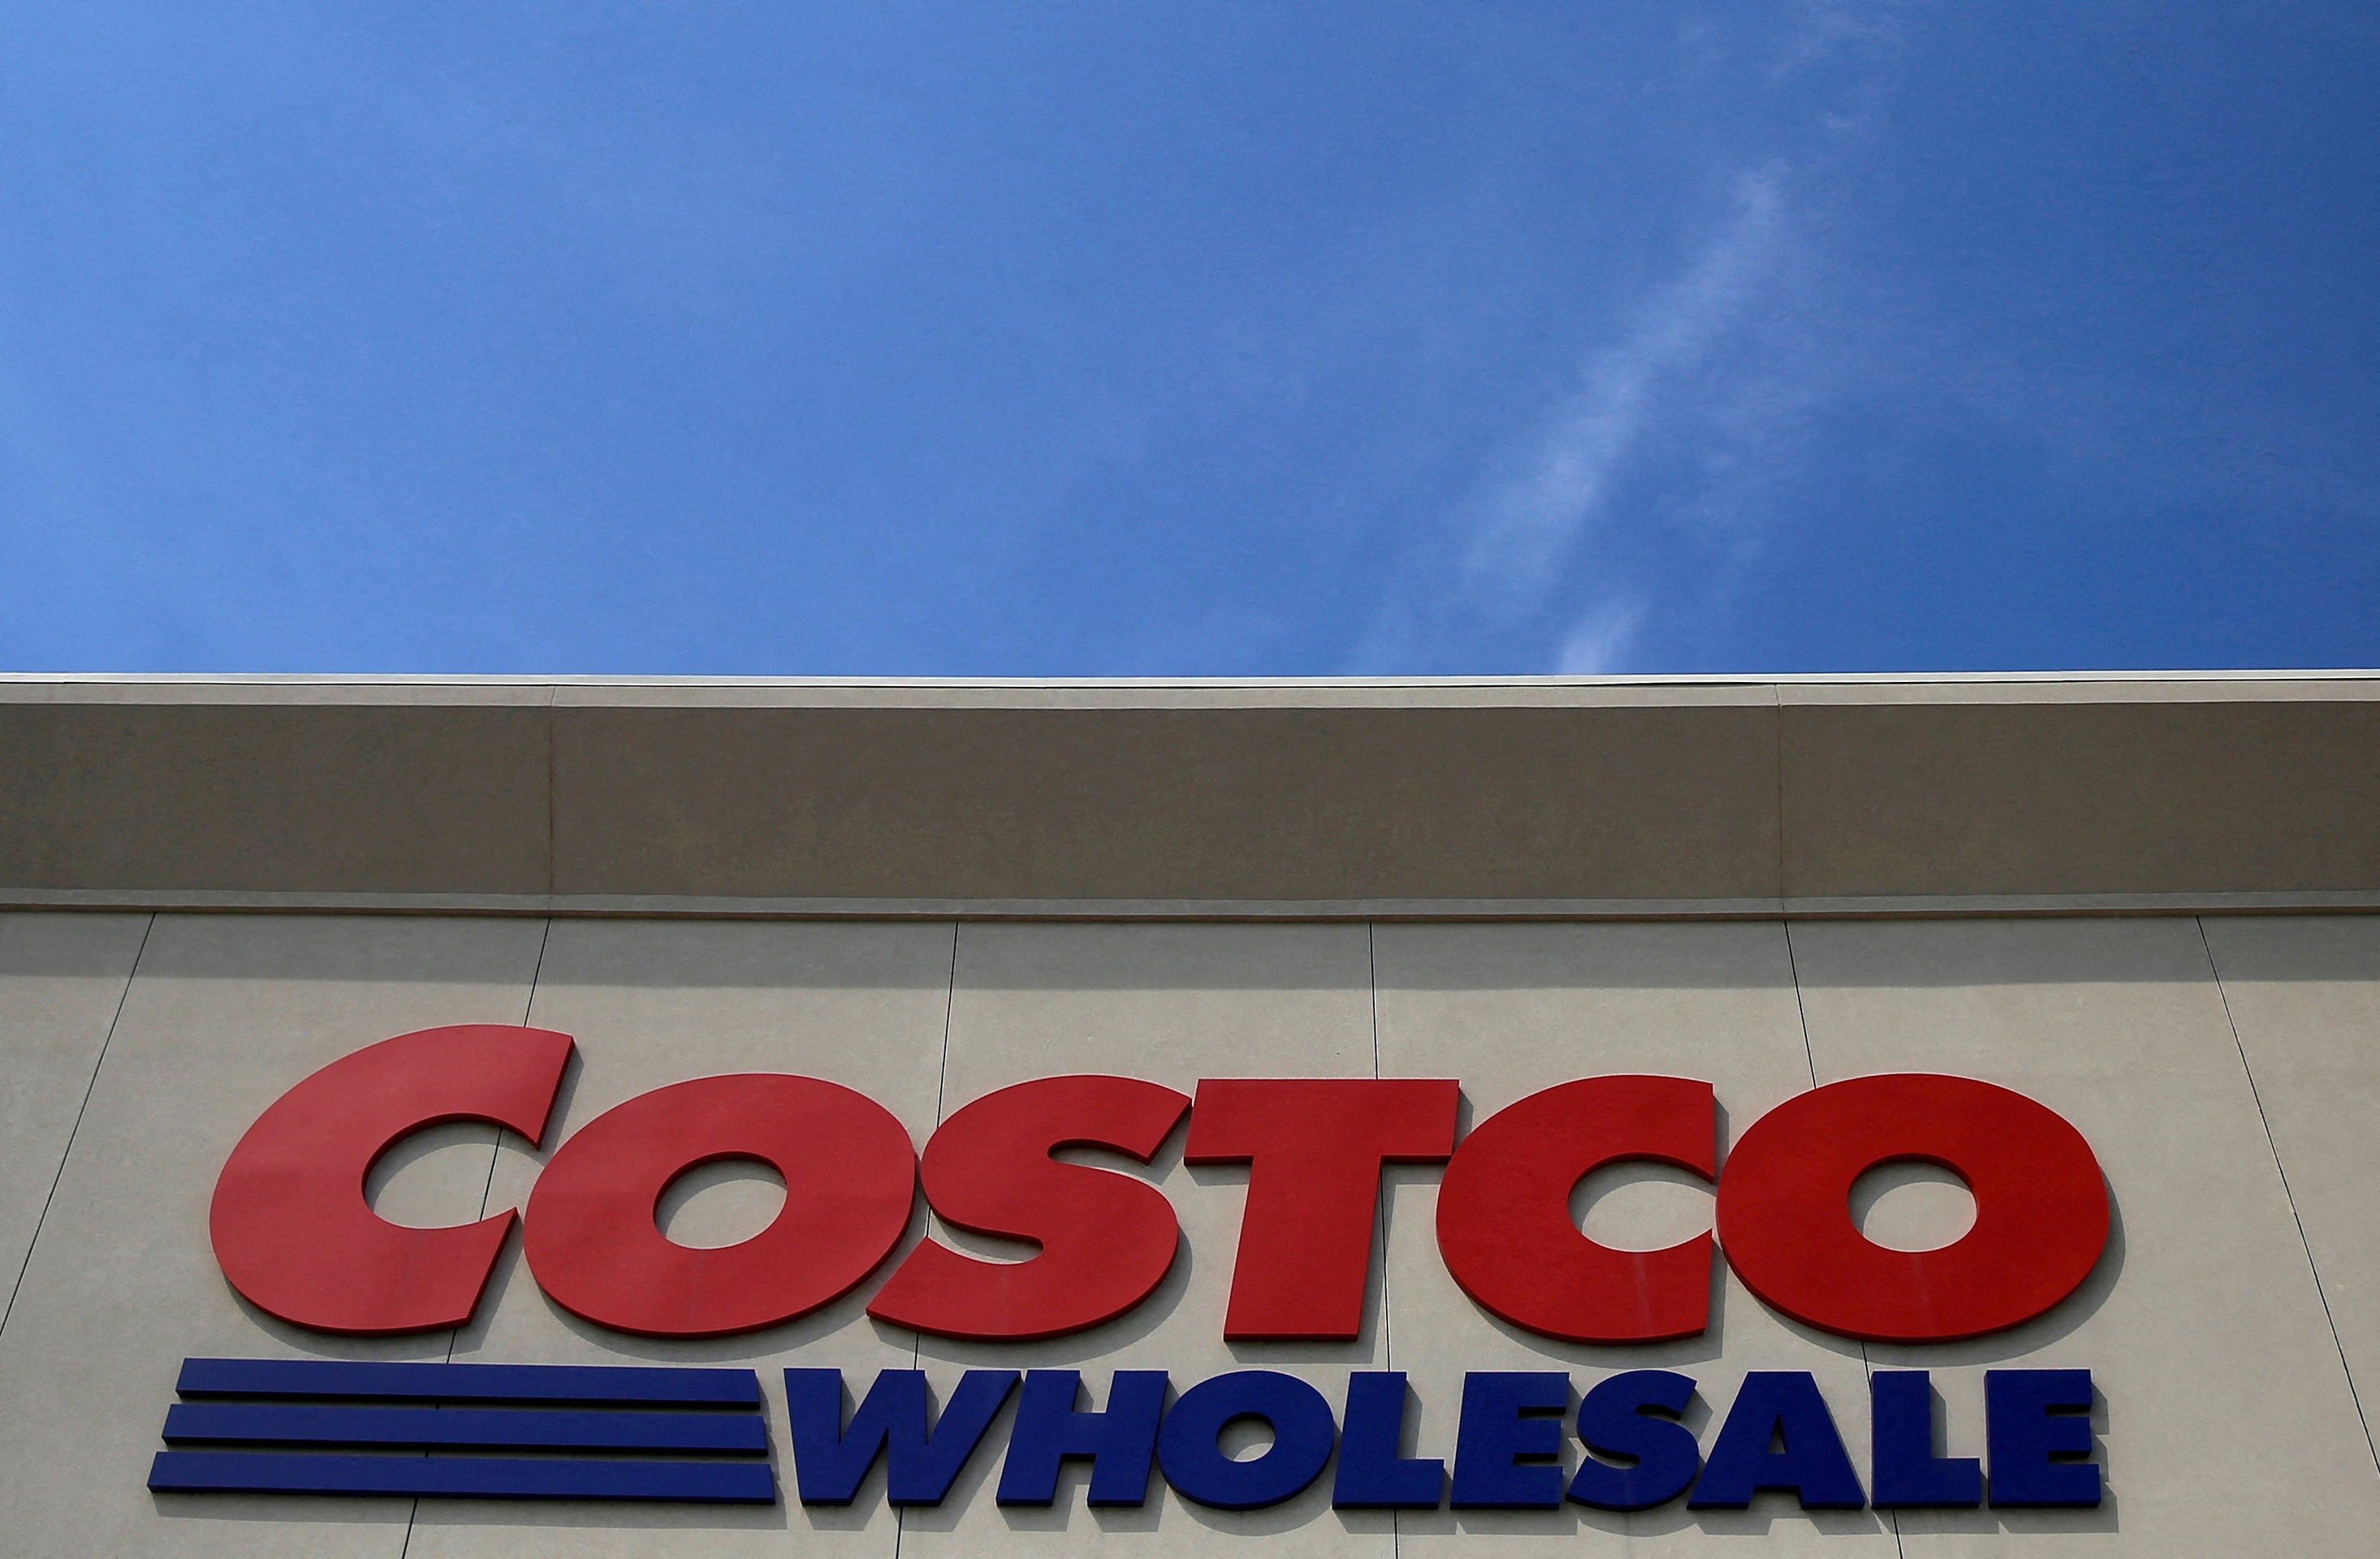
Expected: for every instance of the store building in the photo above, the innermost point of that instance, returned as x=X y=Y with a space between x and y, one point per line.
x=1407 y=958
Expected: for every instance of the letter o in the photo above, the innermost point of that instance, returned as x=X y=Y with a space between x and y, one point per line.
x=1189 y=1446
x=1785 y=1222
x=594 y=1247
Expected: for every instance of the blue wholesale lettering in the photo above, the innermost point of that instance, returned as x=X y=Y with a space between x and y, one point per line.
x=1374 y=1473
x=1634 y=1414
x=1120 y=1442
x=1909 y=1476
x=1779 y=1409
x=1189 y=1446
x=1508 y=1445
x=920 y=1462
x=2038 y=1430
x=1523 y=1440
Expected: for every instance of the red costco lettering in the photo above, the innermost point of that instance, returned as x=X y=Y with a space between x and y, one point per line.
x=1314 y=1147
x=1107 y=1240
x=1784 y=1209
x=850 y=1180
x=292 y=1231
x=295 y=1237
x=1503 y=1213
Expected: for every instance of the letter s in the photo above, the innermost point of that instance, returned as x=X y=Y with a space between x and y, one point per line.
x=1106 y=1239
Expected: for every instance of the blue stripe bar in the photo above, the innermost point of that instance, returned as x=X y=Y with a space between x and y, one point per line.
x=465 y=1426
x=471 y=1382
x=502 y=1478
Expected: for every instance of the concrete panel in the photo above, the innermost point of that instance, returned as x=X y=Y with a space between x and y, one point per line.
x=2228 y=1426
x=1172 y=1005
x=2304 y=997
x=1143 y=693
x=61 y=976
x=1320 y=803
x=652 y=1004
x=329 y=799
x=2069 y=797
x=1514 y=1009
x=2083 y=687
x=227 y=1012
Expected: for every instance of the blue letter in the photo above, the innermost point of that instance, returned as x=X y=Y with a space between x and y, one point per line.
x=830 y=1462
x=1372 y=1476
x=1612 y=1421
x=1908 y=1473
x=1494 y=1436
x=1814 y=1466
x=1188 y=1448
x=1121 y=1442
x=2022 y=1436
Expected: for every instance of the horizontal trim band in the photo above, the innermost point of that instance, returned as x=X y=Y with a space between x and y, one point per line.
x=484 y=1428
x=1161 y=692
x=494 y=1478
x=626 y=1384
x=1617 y=800
x=603 y=906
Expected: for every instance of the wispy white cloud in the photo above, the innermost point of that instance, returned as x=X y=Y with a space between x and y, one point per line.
x=1530 y=522
x=1693 y=412
x=1826 y=28
x=1513 y=550
x=1599 y=642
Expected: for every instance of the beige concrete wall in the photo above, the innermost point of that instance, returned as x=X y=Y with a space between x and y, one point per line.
x=2226 y=1074
x=2302 y=995
x=62 y=979
x=225 y=1013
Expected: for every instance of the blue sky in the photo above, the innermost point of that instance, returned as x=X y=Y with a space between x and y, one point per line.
x=939 y=339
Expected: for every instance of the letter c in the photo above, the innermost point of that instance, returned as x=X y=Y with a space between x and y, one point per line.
x=1503 y=1211
x=291 y=1228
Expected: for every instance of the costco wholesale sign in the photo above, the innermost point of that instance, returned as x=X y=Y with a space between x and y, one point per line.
x=1877 y=1119
x=296 y=1235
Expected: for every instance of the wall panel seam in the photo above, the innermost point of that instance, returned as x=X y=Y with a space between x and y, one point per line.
x=553 y=868
x=1810 y=1058
x=2288 y=1194
x=90 y=1085
x=1777 y=770
x=941 y=1075
x=1382 y=1195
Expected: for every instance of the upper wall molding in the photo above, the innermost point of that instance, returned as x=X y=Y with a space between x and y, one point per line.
x=1586 y=798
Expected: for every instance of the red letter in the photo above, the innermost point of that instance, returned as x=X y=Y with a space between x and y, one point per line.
x=1785 y=1222
x=850 y=1180
x=1106 y=1239
x=1314 y=1147
x=1503 y=1211
x=291 y=1228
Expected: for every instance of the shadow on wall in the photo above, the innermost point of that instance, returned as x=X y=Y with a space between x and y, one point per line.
x=1193 y=955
